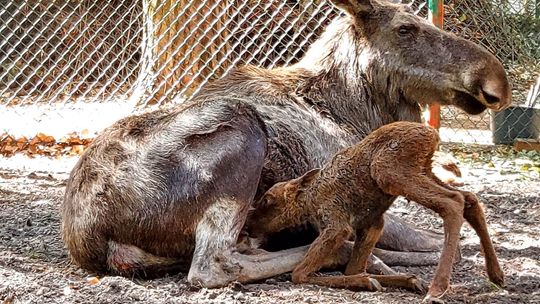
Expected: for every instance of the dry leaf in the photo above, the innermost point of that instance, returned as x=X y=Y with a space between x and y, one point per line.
x=92 y=280
x=47 y=139
x=43 y=144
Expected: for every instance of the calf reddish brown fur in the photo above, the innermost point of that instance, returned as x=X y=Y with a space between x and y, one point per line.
x=352 y=192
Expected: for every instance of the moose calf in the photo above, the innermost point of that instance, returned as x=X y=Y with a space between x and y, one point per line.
x=351 y=193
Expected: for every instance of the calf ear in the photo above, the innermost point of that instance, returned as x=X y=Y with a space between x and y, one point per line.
x=354 y=7
x=296 y=185
x=309 y=176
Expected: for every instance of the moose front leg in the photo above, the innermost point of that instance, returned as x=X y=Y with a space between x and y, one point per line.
x=400 y=236
x=216 y=262
x=263 y=264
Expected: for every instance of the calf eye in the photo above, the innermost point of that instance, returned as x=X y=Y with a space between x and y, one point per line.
x=268 y=201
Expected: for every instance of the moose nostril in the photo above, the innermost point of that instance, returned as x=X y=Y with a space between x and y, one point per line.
x=496 y=90
x=490 y=99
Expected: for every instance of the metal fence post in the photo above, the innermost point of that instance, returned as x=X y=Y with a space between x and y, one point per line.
x=436 y=16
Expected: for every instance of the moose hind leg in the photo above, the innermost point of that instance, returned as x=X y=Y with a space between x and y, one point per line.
x=129 y=260
x=233 y=158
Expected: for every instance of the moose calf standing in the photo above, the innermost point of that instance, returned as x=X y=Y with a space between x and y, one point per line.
x=352 y=192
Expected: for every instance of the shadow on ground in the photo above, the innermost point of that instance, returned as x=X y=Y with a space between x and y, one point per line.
x=34 y=267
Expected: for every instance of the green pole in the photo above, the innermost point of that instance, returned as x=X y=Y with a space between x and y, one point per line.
x=436 y=16
x=436 y=12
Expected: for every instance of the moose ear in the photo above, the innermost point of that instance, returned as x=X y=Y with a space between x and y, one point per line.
x=354 y=7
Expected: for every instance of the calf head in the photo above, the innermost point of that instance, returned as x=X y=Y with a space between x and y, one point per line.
x=282 y=206
x=405 y=56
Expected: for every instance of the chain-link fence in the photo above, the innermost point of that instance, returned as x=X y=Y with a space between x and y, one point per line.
x=87 y=63
x=510 y=29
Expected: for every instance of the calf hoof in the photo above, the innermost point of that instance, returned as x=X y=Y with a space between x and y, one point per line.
x=497 y=277
x=418 y=285
x=432 y=300
x=374 y=285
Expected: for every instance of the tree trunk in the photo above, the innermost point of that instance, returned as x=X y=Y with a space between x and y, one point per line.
x=184 y=41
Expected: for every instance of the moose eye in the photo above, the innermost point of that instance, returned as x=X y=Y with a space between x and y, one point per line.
x=406 y=29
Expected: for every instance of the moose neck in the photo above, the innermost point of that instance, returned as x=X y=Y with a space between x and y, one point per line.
x=351 y=85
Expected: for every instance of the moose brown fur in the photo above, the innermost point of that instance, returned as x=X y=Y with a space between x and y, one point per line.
x=352 y=192
x=171 y=189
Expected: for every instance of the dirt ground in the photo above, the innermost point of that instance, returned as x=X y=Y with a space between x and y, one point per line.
x=34 y=267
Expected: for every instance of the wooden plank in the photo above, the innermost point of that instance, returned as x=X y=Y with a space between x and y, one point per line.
x=521 y=144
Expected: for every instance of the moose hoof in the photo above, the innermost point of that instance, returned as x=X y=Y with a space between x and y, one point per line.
x=374 y=285
x=429 y=299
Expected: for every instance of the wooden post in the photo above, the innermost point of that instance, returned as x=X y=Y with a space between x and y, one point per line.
x=436 y=16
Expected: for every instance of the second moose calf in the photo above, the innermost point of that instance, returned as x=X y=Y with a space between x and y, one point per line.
x=351 y=194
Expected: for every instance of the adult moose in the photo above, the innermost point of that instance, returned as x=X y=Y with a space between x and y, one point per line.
x=172 y=188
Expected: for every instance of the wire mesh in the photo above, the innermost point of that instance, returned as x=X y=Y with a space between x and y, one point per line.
x=56 y=50
x=158 y=53
x=510 y=29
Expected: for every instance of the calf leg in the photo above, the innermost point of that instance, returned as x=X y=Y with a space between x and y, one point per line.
x=363 y=246
x=447 y=203
x=327 y=244
x=342 y=257
x=374 y=264
x=400 y=236
x=365 y=242
x=474 y=215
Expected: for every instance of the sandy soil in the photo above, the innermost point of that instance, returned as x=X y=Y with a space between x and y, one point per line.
x=34 y=267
